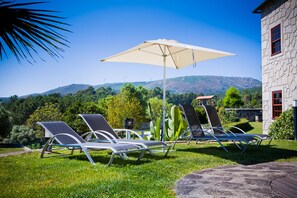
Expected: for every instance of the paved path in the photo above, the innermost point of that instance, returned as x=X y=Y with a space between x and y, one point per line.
x=26 y=150
x=235 y=181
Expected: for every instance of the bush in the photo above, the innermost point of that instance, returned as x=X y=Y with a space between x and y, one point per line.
x=21 y=134
x=227 y=117
x=283 y=127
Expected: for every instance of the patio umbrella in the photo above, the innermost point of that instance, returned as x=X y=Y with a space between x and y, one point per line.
x=166 y=53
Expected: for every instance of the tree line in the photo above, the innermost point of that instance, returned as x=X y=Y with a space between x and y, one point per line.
x=18 y=116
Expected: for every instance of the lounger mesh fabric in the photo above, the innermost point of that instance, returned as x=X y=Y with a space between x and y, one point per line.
x=198 y=133
x=216 y=124
x=66 y=136
x=97 y=122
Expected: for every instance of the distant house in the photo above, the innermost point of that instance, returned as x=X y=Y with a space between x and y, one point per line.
x=279 y=57
x=206 y=100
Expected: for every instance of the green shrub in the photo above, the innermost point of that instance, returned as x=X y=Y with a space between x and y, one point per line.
x=22 y=134
x=283 y=127
x=227 y=117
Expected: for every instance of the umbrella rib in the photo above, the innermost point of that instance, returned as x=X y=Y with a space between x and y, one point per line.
x=176 y=67
x=149 y=52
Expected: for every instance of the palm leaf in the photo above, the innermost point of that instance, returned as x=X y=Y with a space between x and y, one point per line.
x=24 y=31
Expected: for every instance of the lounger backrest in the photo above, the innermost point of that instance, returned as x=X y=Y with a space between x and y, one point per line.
x=98 y=122
x=213 y=117
x=56 y=127
x=192 y=120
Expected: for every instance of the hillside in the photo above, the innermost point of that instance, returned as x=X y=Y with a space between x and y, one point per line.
x=196 y=84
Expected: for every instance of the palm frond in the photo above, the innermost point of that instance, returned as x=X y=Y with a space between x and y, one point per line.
x=24 y=31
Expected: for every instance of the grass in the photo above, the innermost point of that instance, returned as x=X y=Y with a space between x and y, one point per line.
x=256 y=128
x=73 y=176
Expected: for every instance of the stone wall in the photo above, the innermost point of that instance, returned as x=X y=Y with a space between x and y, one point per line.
x=252 y=115
x=279 y=72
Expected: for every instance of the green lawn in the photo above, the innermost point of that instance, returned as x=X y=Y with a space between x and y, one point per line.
x=73 y=176
x=257 y=127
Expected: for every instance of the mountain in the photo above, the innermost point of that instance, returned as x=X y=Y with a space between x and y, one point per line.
x=196 y=84
x=205 y=84
x=73 y=88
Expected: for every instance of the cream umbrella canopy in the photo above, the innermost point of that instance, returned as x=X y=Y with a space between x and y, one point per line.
x=166 y=53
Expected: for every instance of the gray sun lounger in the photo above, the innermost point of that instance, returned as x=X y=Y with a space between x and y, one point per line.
x=216 y=125
x=96 y=122
x=197 y=133
x=65 y=136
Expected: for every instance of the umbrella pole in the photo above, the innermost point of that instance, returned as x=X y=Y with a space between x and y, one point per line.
x=164 y=98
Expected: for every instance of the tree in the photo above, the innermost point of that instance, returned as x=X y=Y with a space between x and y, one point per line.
x=124 y=106
x=232 y=98
x=24 y=29
x=155 y=92
x=5 y=122
x=156 y=108
x=49 y=112
x=71 y=115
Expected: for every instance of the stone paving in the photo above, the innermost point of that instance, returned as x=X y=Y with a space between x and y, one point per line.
x=235 y=181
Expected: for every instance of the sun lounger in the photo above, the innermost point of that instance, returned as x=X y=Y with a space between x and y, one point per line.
x=65 y=136
x=197 y=133
x=215 y=123
x=97 y=122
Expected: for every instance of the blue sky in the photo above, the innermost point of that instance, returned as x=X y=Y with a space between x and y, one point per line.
x=103 y=28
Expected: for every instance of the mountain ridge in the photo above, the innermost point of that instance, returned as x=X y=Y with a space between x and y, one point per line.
x=207 y=85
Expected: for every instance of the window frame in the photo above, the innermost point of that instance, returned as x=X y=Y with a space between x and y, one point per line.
x=275 y=106
x=274 y=40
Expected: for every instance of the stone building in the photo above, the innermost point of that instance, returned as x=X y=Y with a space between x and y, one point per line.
x=206 y=100
x=279 y=57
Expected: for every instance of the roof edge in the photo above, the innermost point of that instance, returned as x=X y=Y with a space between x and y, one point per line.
x=258 y=10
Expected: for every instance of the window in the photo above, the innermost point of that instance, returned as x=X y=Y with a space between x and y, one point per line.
x=276 y=40
x=276 y=104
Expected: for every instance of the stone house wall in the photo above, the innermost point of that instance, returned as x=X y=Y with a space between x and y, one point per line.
x=279 y=72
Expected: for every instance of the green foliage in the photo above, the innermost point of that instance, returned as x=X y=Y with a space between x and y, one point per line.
x=22 y=134
x=155 y=92
x=283 y=127
x=176 y=123
x=71 y=115
x=252 y=98
x=124 y=105
x=227 y=117
x=185 y=98
x=232 y=98
x=49 y=112
x=103 y=105
x=155 y=108
x=5 y=122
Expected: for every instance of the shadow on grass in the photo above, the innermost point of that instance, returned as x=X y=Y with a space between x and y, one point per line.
x=103 y=158
x=252 y=155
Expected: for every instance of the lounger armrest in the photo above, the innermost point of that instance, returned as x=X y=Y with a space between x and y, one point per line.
x=220 y=129
x=128 y=130
x=211 y=134
x=69 y=135
x=182 y=135
x=107 y=135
